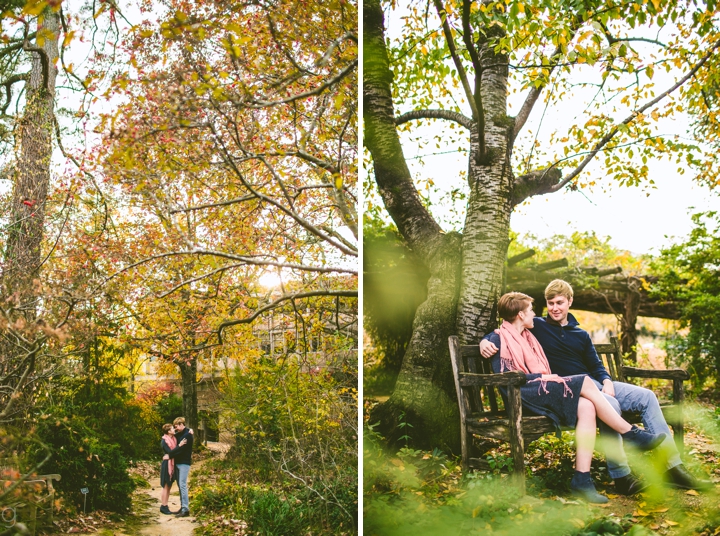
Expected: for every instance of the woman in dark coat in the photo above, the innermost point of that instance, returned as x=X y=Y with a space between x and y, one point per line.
x=573 y=401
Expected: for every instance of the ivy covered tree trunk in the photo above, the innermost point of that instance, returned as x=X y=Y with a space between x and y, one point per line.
x=23 y=250
x=23 y=254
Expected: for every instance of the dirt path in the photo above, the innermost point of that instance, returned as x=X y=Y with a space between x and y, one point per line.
x=157 y=524
x=163 y=525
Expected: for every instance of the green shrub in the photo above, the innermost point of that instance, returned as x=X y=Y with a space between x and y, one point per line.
x=83 y=459
x=169 y=407
x=291 y=421
x=272 y=514
x=218 y=497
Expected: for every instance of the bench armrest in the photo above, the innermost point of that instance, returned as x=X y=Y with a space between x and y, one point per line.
x=671 y=374
x=505 y=379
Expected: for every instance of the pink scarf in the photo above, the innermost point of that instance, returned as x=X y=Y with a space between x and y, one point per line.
x=522 y=351
x=171 y=442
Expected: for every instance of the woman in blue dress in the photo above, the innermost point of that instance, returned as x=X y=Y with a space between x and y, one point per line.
x=572 y=401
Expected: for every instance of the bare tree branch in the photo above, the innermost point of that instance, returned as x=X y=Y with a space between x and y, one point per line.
x=629 y=119
x=462 y=74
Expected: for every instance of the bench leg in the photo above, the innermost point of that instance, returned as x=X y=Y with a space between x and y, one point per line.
x=679 y=424
x=517 y=444
x=464 y=446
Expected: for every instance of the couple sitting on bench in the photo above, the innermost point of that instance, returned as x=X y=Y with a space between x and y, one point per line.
x=579 y=390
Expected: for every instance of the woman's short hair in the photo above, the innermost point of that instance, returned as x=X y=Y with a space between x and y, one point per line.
x=166 y=428
x=510 y=304
x=558 y=287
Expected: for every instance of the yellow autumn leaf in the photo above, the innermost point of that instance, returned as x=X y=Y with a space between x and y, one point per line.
x=640 y=513
x=68 y=38
x=34 y=8
x=691 y=492
x=672 y=523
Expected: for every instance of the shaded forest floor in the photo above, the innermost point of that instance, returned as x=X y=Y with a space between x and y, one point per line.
x=415 y=492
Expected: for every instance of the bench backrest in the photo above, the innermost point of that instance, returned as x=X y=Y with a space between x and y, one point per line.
x=487 y=401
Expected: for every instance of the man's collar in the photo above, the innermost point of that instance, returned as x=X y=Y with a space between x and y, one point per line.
x=571 y=321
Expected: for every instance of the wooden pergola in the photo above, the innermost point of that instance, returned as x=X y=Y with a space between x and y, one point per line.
x=600 y=290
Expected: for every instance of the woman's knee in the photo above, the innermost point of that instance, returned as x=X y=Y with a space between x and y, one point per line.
x=586 y=409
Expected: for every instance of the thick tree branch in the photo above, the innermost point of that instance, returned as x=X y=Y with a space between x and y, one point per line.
x=535 y=183
x=382 y=140
x=629 y=119
x=478 y=67
x=436 y=114
x=322 y=87
x=213 y=205
x=462 y=74
x=254 y=260
x=527 y=107
x=8 y=88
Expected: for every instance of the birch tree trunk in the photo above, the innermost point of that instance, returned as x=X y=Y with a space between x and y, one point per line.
x=487 y=221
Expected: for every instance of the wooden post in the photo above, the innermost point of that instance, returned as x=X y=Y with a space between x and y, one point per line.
x=457 y=366
x=628 y=339
x=679 y=424
x=517 y=445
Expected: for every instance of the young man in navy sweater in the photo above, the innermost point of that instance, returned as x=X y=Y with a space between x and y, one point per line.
x=183 y=458
x=569 y=351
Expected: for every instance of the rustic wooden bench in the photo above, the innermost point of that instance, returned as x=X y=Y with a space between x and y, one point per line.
x=484 y=413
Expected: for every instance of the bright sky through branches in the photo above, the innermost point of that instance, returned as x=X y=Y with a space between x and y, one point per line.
x=641 y=219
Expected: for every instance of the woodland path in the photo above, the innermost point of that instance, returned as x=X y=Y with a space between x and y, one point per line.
x=157 y=524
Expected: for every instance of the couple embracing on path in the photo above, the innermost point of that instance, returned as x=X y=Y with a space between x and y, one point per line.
x=177 y=443
x=568 y=383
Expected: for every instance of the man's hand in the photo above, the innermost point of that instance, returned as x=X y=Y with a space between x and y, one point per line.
x=166 y=457
x=608 y=388
x=487 y=349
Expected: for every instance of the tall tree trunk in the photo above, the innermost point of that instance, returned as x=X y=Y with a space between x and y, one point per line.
x=188 y=372
x=424 y=396
x=487 y=221
x=23 y=252
x=32 y=178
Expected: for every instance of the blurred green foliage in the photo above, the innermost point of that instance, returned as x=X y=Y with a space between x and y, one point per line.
x=689 y=274
x=394 y=286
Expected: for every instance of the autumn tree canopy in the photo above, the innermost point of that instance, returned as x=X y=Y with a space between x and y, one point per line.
x=233 y=154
